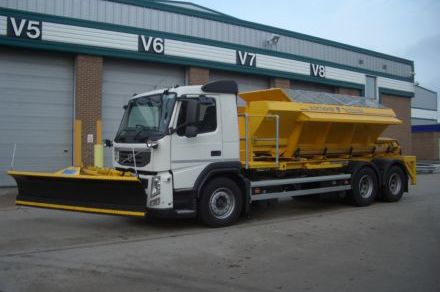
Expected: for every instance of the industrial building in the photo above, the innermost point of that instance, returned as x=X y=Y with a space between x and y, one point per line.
x=425 y=107
x=425 y=120
x=72 y=64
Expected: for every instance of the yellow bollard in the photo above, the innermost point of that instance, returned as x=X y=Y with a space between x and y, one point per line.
x=98 y=147
x=77 y=151
x=99 y=155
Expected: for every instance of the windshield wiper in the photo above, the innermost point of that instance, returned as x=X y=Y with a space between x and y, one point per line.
x=142 y=128
x=120 y=134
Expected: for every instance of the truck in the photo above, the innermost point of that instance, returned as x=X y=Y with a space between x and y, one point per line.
x=194 y=151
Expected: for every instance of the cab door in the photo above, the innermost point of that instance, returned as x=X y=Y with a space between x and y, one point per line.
x=190 y=155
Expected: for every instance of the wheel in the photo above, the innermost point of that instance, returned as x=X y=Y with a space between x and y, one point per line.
x=364 y=187
x=393 y=184
x=220 y=203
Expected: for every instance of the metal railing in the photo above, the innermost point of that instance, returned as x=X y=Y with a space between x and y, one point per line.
x=247 y=140
x=13 y=156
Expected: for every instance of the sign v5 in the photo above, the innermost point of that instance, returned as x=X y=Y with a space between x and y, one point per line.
x=24 y=28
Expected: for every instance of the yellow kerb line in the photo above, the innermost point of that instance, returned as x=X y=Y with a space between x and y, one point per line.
x=80 y=209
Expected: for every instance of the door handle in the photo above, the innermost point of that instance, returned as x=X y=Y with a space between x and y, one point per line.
x=216 y=153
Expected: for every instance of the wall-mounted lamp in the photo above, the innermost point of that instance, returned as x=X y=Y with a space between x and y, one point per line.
x=274 y=38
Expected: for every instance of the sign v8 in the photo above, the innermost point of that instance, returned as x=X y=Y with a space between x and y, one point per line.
x=317 y=70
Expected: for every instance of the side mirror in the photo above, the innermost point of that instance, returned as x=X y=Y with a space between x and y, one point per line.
x=125 y=106
x=108 y=143
x=190 y=131
x=192 y=111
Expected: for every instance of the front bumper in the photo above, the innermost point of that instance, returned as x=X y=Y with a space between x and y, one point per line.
x=170 y=213
x=184 y=206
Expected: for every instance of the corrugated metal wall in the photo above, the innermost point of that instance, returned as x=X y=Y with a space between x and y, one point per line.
x=424 y=99
x=123 y=14
x=245 y=82
x=417 y=122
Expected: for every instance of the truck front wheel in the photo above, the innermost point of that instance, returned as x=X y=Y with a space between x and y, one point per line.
x=364 y=187
x=220 y=202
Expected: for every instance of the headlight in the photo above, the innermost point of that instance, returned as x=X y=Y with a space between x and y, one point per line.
x=152 y=144
x=155 y=186
x=155 y=202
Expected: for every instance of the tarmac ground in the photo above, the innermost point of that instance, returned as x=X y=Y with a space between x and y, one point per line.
x=294 y=245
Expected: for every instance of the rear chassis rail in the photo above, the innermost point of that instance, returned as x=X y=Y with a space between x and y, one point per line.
x=284 y=188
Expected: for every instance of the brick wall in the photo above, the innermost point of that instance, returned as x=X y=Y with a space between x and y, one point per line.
x=425 y=145
x=196 y=76
x=348 y=91
x=88 y=92
x=402 y=108
x=280 y=83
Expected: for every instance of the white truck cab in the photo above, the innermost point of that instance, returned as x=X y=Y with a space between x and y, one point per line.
x=174 y=139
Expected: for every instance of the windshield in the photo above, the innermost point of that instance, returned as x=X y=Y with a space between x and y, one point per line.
x=146 y=117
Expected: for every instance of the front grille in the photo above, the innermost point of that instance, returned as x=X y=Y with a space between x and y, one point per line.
x=142 y=158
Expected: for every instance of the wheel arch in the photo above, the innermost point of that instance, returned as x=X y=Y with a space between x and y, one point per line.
x=228 y=169
x=354 y=166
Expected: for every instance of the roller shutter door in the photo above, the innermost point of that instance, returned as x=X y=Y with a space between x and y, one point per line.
x=121 y=79
x=245 y=82
x=36 y=111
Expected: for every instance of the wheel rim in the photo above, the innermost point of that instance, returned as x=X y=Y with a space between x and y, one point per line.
x=395 y=184
x=365 y=186
x=222 y=203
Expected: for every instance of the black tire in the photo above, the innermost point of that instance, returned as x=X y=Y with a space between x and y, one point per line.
x=394 y=183
x=364 y=186
x=220 y=203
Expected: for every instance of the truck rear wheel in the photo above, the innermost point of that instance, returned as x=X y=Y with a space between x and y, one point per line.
x=393 y=185
x=364 y=187
x=220 y=202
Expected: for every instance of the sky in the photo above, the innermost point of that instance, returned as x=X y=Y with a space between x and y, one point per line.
x=408 y=29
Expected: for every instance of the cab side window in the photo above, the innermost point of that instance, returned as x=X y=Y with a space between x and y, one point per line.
x=207 y=120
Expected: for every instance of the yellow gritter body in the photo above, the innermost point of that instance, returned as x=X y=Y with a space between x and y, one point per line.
x=313 y=135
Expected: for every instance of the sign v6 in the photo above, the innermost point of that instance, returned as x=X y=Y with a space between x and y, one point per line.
x=151 y=44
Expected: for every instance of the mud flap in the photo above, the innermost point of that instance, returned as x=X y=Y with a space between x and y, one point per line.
x=105 y=195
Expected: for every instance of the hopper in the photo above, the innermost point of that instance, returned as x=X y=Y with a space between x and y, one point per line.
x=283 y=124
